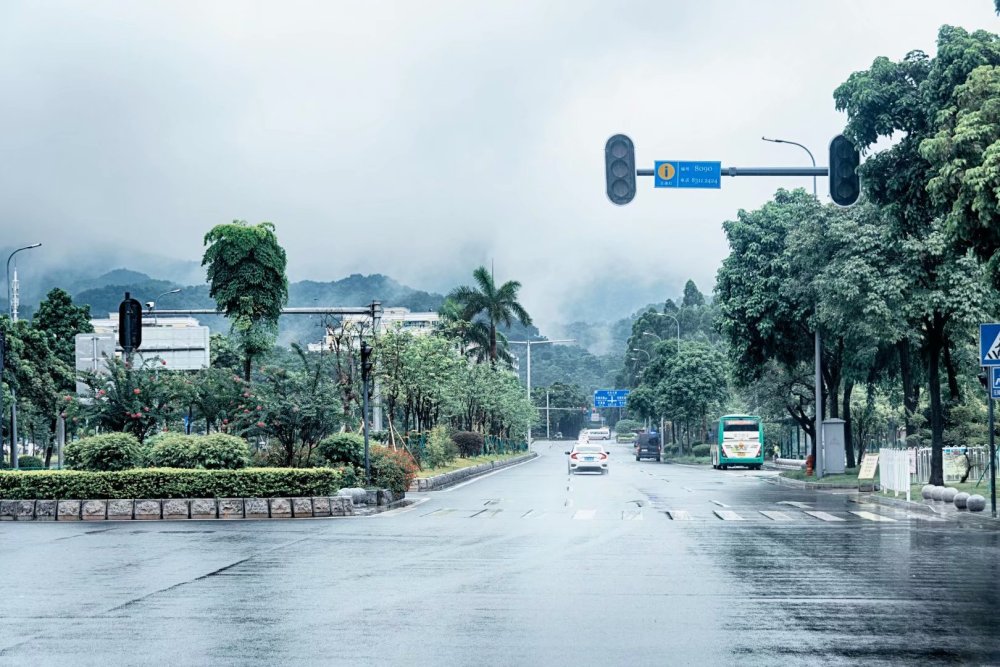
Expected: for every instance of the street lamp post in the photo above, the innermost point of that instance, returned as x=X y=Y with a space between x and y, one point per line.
x=817 y=342
x=152 y=304
x=677 y=322
x=13 y=393
x=528 y=344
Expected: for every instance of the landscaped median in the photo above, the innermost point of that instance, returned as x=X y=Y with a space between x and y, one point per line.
x=846 y=480
x=456 y=475
x=170 y=493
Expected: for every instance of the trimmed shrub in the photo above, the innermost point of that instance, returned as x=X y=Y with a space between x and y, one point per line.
x=108 y=452
x=173 y=483
x=343 y=449
x=171 y=450
x=440 y=450
x=30 y=462
x=627 y=426
x=216 y=451
x=392 y=469
x=469 y=443
x=702 y=450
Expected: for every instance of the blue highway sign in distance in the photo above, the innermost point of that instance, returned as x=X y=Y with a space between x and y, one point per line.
x=989 y=344
x=687 y=174
x=610 y=398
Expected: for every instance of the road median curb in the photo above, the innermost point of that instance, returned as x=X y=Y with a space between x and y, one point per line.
x=802 y=484
x=447 y=479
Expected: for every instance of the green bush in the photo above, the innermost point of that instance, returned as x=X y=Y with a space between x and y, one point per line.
x=469 y=443
x=173 y=483
x=440 y=450
x=108 y=452
x=702 y=450
x=217 y=451
x=392 y=469
x=30 y=462
x=343 y=449
x=627 y=426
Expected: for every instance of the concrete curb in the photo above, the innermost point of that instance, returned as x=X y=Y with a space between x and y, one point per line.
x=802 y=484
x=943 y=510
x=454 y=477
x=348 y=502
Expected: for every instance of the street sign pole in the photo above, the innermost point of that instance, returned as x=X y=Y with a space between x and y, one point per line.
x=993 y=462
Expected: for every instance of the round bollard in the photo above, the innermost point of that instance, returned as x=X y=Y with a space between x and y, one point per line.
x=976 y=503
x=960 y=499
x=938 y=493
x=927 y=491
x=949 y=494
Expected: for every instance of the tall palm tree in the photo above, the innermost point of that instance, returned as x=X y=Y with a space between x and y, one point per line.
x=496 y=304
x=473 y=338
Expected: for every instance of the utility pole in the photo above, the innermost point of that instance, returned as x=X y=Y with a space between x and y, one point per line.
x=529 y=343
x=12 y=300
x=548 y=422
x=366 y=368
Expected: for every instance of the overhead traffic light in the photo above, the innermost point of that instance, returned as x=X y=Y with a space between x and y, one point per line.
x=845 y=186
x=367 y=363
x=129 y=324
x=619 y=168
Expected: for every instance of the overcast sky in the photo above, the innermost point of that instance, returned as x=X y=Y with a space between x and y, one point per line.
x=419 y=139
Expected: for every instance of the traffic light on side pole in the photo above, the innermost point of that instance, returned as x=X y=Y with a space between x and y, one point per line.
x=845 y=185
x=129 y=324
x=367 y=363
x=619 y=169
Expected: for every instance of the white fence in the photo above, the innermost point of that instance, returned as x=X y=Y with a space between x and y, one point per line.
x=894 y=471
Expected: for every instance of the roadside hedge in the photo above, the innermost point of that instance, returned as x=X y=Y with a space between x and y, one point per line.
x=216 y=451
x=702 y=450
x=110 y=451
x=173 y=483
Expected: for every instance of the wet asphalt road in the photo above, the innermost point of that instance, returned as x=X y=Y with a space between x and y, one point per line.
x=653 y=564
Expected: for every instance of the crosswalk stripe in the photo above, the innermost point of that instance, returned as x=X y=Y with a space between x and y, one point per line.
x=777 y=516
x=872 y=516
x=825 y=516
x=679 y=515
x=727 y=515
x=584 y=515
x=793 y=503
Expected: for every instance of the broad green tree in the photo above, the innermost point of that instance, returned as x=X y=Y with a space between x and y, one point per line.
x=246 y=272
x=58 y=317
x=496 y=304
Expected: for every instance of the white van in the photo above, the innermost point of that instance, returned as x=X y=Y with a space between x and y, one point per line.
x=599 y=433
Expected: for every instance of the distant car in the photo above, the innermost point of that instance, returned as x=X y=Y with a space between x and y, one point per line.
x=586 y=456
x=647 y=446
x=599 y=433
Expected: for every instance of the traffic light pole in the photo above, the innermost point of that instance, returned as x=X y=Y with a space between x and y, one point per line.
x=364 y=422
x=993 y=463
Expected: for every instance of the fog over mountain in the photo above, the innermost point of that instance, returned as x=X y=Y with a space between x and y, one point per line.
x=418 y=140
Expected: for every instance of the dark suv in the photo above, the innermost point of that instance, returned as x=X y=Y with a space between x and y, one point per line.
x=647 y=446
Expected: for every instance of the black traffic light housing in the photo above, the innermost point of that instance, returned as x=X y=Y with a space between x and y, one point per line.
x=367 y=363
x=984 y=380
x=619 y=168
x=845 y=185
x=130 y=324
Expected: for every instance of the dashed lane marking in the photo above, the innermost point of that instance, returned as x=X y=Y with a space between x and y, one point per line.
x=632 y=515
x=825 y=516
x=871 y=516
x=726 y=515
x=777 y=516
x=716 y=502
x=801 y=506
x=679 y=515
x=584 y=515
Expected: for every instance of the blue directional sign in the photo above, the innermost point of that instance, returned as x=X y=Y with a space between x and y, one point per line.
x=610 y=398
x=995 y=382
x=989 y=344
x=683 y=174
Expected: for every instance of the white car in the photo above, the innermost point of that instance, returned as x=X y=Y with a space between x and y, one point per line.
x=587 y=457
x=599 y=433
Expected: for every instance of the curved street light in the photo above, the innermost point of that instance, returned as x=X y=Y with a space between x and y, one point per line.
x=152 y=304
x=13 y=393
x=817 y=341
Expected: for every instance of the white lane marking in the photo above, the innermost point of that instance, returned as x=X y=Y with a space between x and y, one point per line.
x=777 y=516
x=584 y=515
x=871 y=516
x=679 y=515
x=801 y=506
x=489 y=474
x=440 y=512
x=632 y=515
x=687 y=489
x=718 y=503
x=825 y=516
x=726 y=515
x=403 y=510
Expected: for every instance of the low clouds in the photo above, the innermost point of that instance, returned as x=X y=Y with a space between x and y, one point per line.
x=421 y=139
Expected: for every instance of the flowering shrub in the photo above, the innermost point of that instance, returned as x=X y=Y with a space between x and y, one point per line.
x=393 y=469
